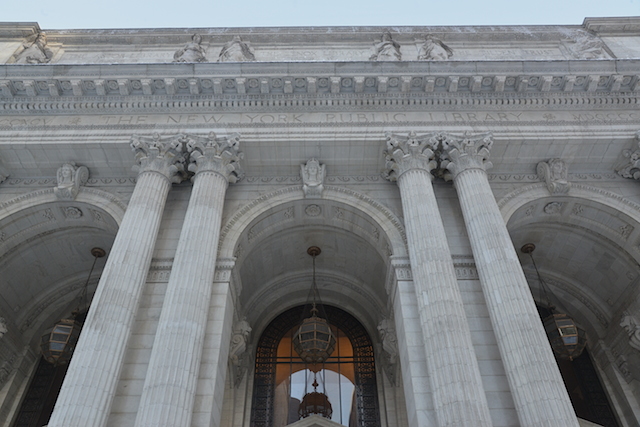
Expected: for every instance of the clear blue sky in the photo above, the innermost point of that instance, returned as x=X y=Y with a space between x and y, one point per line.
x=78 y=14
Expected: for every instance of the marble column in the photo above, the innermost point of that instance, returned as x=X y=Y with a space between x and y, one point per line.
x=90 y=384
x=538 y=391
x=170 y=386
x=458 y=395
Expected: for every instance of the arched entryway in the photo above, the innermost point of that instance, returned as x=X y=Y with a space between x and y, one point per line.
x=348 y=377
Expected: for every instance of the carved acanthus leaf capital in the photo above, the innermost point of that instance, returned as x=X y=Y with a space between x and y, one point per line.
x=554 y=173
x=630 y=166
x=70 y=179
x=160 y=154
x=465 y=152
x=216 y=154
x=409 y=152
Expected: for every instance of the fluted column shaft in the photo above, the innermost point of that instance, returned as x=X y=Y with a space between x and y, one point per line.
x=537 y=387
x=459 y=398
x=90 y=383
x=170 y=386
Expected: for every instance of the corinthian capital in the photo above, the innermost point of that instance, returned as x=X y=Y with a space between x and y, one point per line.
x=159 y=154
x=465 y=152
x=408 y=152
x=216 y=154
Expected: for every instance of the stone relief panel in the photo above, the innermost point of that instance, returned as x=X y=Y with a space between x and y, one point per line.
x=585 y=45
x=238 y=349
x=386 y=49
x=432 y=49
x=70 y=178
x=33 y=52
x=313 y=175
x=554 y=173
x=389 y=341
x=237 y=50
x=192 y=51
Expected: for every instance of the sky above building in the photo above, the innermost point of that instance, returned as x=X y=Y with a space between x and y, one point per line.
x=87 y=14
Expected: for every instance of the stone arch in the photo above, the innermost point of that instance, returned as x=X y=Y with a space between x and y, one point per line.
x=277 y=219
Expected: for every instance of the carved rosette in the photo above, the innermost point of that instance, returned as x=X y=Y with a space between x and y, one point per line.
x=216 y=154
x=466 y=152
x=160 y=154
x=404 y=153
x=630 y=167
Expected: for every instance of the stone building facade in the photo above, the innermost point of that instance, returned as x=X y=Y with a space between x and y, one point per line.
x=418 y=159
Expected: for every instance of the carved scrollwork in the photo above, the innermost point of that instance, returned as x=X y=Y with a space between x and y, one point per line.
x=629 y=322
x=554 y=173
x=390 y=347
x=238 y=349
x=630 y=166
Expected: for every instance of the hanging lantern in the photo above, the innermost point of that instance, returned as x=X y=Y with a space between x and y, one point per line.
x=566 y=338
x=315 y=403
x=57 y=344
x=314 y=341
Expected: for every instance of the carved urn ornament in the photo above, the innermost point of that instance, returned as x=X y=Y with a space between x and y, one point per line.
x=566 y=338
x=314 y=341
x=57 y=344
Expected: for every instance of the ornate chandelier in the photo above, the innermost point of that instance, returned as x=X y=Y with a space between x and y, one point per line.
x=314 y=342
x=57 y=343
x=566 y=338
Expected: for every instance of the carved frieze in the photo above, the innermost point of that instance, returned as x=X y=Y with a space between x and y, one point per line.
x=237 y=50
x=191 y=52
x=433 y=49
x=386 y=49
x=33 y=52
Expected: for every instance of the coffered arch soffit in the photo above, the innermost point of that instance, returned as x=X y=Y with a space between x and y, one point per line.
x=45 y=257
x=587 y=249
x=356 y=234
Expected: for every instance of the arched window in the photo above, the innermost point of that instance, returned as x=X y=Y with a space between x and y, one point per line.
x=347 y=378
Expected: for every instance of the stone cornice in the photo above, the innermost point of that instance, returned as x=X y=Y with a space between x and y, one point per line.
x=319 y=86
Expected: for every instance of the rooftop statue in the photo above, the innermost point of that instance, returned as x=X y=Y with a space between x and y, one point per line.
x=35 y=52
x=432 y=49
x=237 y=50
x=386 y=49
x=192 y=51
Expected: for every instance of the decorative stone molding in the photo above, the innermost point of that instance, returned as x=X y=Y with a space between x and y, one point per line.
x=238 y=349
x=554 y=173
x=433 y=49
x=629 y=322
x=160 y=154
x=237 y=50
x=404 y=153
x=630 y=168
x=313 y=175
x=3 y=326
x=389 y=341
x=385 y=49
x=192 y=51
x=70 y=178
x=466 y=152
x=33 y=52
x=216 y=154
